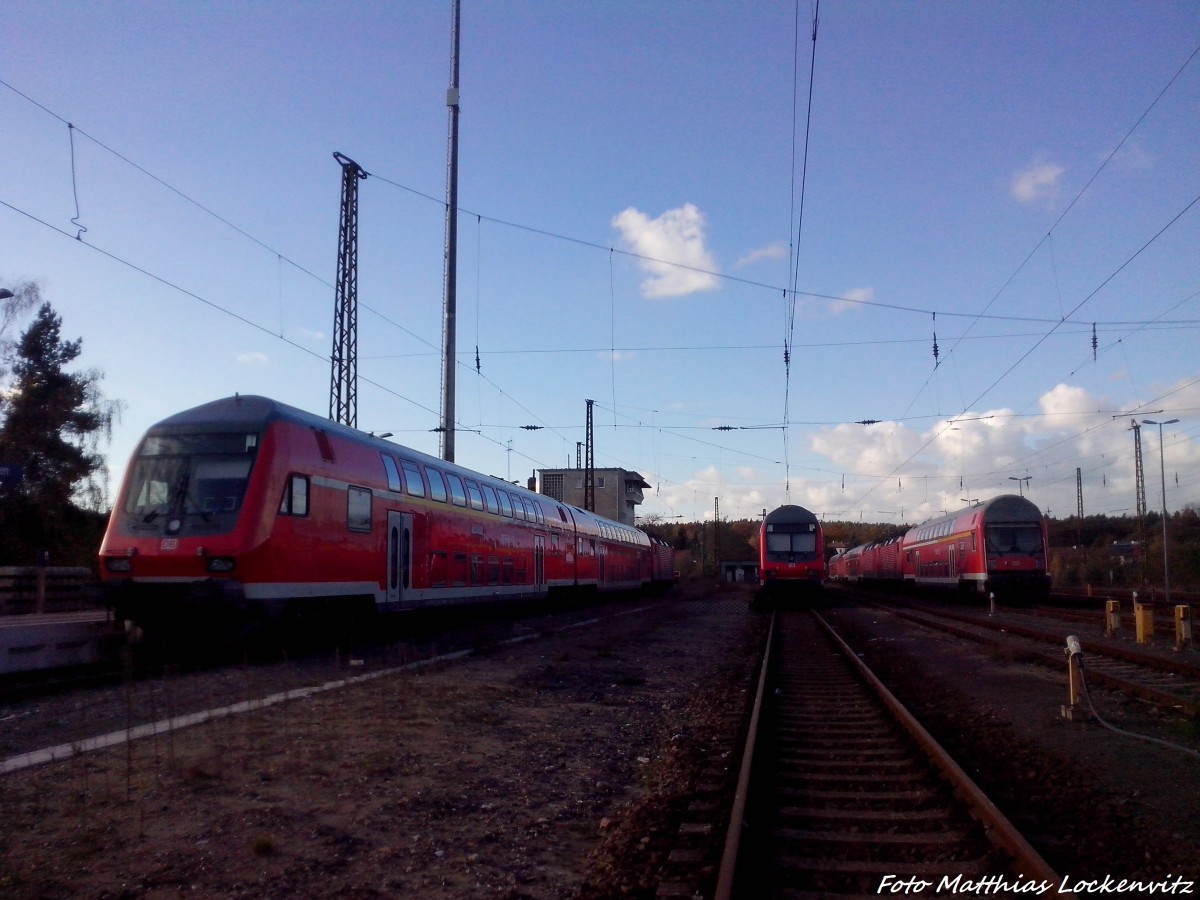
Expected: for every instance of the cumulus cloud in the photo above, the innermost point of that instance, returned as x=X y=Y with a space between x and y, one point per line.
x=777 y=250
x=1038 y=182
x=852 y=299
x=672 y=250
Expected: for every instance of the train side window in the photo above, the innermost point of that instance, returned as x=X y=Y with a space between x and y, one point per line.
x=537 y=511
x=437 y=487
x=489 y=499
x=437 y=568
x=358 y=508
x=562 y=514
x=505 y=504
x=459 y=570
x=518 y=509
x=474 y=495
x=393 y=474
x=295 y=497
x=458 y=494
x=412 y=478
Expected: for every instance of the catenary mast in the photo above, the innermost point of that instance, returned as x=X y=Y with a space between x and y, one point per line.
x=451 y=261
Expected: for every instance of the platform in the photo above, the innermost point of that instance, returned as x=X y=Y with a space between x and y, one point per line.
x=32 y=642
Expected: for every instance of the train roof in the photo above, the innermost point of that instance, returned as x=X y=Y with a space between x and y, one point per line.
x=1003 y=508
x=254 y=411
x=789 y=513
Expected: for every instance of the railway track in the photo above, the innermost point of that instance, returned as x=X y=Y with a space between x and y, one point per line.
x=1168 y=681
x=844 y=794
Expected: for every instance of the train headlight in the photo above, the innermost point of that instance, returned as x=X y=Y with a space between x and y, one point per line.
x=220 y=564
x=118 y=564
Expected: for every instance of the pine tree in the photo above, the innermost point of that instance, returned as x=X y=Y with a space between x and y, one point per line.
x=53 y=423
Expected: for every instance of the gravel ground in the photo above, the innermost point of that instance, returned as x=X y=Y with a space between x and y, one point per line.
x=1093 y=802
x=545 y=768
x=554 y=767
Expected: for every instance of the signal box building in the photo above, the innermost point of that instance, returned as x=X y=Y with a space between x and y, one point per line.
x=618 y=492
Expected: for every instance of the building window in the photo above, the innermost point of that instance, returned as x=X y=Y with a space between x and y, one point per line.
x=552 y=485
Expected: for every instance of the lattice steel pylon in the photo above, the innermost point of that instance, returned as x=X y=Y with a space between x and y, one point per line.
x=343 y=386
x=1140 y=478
x=589 y=472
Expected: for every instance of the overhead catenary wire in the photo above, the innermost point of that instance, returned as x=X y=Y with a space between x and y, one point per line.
x=796 y=207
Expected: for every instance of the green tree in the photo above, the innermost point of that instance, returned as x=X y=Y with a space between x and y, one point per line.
x=54 y=422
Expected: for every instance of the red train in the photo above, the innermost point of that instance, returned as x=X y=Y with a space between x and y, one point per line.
x=791 y=551
x=994 y=547
x=245 y=510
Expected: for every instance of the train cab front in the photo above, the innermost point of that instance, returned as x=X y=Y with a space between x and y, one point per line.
x=172 y=557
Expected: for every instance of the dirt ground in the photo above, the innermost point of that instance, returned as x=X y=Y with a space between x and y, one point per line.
x=540 y=769
x=556 y=765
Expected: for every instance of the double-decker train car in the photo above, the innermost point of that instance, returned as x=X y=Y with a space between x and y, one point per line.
x=791 y=551
x=246 y=510
x=998 y=546
x=876 y=561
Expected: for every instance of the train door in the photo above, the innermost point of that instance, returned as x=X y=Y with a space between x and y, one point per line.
x=399 y=555
x=539 y=560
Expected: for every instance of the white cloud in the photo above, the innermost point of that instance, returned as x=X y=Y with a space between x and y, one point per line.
x=777 y=250
x=617 y=355
x=1038 y=182
x=672 y=250
x=852 y=299
x=255 y=359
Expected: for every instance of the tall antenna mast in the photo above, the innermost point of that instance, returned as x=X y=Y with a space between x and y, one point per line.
x=343 y=388
x=450 y=299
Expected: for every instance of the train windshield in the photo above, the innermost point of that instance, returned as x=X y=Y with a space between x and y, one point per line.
x=190 y=478
x=791 y=541
x=1014 y=539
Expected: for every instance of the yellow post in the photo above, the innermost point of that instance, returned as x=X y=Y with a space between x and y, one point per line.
x=1183 y=627
x=1112 y=617
x=1143 y=621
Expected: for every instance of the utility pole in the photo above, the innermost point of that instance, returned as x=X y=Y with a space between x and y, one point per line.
x=449 y=322
x=1162 y=462
x=717 y=536
x=343 y=388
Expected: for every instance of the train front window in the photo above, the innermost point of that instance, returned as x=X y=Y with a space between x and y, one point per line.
x=1014 y=539
x=190 y=478
x=788 y=542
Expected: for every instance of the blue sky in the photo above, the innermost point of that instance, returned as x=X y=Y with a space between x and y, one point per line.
x=1003 y=175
